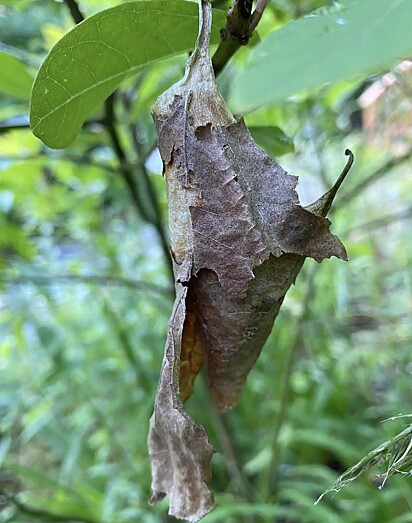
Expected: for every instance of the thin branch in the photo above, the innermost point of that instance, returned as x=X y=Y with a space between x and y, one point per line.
x=13 y=127
x=75 y=11
x=126 y=169
x=44 y=515
x=269 y=476
x=115 y=281
x=377 y=223
x=5 y=127
x=156 y=219
x=376 y=175
x=226 y=445
x=127 y=172
x=78 y=160
x=257 y=15
x=240 y=24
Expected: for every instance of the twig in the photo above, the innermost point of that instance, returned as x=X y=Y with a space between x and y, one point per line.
x=157 y=216
x=91 y=279
x=13 y=127
x=376 y=175
x=5 y=127
x=127 y=172
x=125 y=166
x=75 y=11
x=143 y=377
x=404 y=214
x=257 y=15
x=226 y=445
x=78 y=160
x=241 y=22
x=269 y=476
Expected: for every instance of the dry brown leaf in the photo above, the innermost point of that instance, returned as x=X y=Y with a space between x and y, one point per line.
x=179 y=450
x=238 y=238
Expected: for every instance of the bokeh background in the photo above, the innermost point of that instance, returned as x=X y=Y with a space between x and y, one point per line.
x=85 y=294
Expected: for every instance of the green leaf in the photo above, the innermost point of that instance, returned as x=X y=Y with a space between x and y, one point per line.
x=16 y=81
x=272 y=140
x=90 y=61
x=231 y=510
x=351 y=38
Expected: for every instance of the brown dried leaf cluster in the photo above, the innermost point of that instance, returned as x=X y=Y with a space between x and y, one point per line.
x=238 y=238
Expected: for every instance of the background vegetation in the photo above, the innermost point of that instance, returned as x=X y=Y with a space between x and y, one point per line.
x=85 y=294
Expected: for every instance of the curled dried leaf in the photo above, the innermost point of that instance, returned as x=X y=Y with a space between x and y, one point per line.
x=239 y=238
x=179 y=450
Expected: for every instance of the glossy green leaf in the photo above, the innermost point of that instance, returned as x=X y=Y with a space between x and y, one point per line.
x=90 y=61
x=272 y=140
x=16 y=81
x=353 y=37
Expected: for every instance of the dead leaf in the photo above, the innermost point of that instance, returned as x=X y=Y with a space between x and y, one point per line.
x=179 y=450
x=238 y=238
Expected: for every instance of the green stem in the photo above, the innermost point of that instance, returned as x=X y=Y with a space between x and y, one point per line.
x=241 y=485
x=269 y=479
x=143 y=377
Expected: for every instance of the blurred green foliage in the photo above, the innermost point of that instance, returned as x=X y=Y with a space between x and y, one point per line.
x=85 y=295
x=330 y=44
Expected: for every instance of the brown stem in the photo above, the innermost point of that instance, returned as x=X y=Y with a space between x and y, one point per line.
x=384 y=221
x=241 y=22
x=226 y=445
x=126 y=169
x=75 y=11
x=257 y=15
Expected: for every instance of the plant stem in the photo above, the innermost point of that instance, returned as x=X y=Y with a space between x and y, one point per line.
x=257 y=15
x=269 y=479
x=126 y=170
x=13 y=127
x=94 y=279
x=383 y=221
x=151 y=215
x=241 y=23
x=226 y=445
x=240 y=482
x=75 y=11
x=376 y=175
